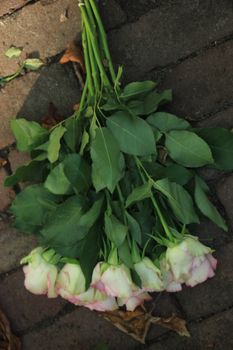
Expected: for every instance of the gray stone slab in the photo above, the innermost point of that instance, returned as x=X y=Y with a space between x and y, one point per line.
x=212 y=333
x=168 y=33
x=14 y=246
x=82 y=330
x=6 y=194
x=215 y=294
x=223 y=119
x=202 y=85
x=23 y=308
x=225 y=194
x=111 y=13
x=29 y=97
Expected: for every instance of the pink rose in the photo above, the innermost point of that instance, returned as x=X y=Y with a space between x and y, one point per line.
x=113 y=280
x=40 y=275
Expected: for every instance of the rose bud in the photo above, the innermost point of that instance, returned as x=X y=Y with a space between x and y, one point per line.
x=40 y=275
x=191 y=261
x=150 y=275
x=70 y=280
x=114 y=280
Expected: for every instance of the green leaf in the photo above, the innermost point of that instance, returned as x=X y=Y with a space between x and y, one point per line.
x=89 y=253
x=72 y=136
x=136 y=107
x=220 y=141
x=32 y=207
x=166 y=122
x=206 y=207
x=13 y=52
x=136 y=89
x=54 y=143
x=88 y=219
x=62 y=231
x=57 y=182
x=78 y=172
x=28 y=134
x=33 y=64
x=33 y=171
x=179 y=200
x=188 y=149
x=107 y=161
x=155 y=170
x=134 y=228
x=134 y=135
x=114 y=229
x=125 y=254
x=177 y=173
x=155 y=99
x=84 y=142
x=139 y=193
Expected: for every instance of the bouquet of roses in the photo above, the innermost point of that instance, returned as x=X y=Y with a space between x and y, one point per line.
x=114 y=188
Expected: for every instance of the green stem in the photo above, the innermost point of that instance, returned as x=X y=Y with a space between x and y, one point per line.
x=94 y=68
x=95 y=47
x=103 y=38
x=82 y=101
x=87 y=61
x=122 y=202
x=153 y=200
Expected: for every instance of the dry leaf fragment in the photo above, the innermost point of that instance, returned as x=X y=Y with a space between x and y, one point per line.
x=3 y=162
x=174 y=323
x=8 y=341
x=52 y=118
x=137 y=323
x=73 y=53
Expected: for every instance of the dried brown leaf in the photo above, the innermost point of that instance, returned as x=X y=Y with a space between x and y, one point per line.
x=73 y=53
x=8 y=341
x=3 y=162
x=137 y=323
x=52 y=118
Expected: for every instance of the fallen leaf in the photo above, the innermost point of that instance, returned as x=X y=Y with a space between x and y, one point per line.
x=13 y=52
x=137 y=323
x=33 y=64
x=8 y=341
x=73 y=53
x=52 y=118
x=174 y=323
x=3 y=162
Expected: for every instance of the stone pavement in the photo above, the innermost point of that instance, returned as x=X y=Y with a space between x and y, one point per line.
x=185 y=45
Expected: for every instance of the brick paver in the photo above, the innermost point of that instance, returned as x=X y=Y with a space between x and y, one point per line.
x=213 y=333
x=6 y=194
x=29 y=97
x=82 y=330
x=32 y=35
x=216 y=294
x=14 y=245
x=23 y=308
x=173 y=30
x=202 y=85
